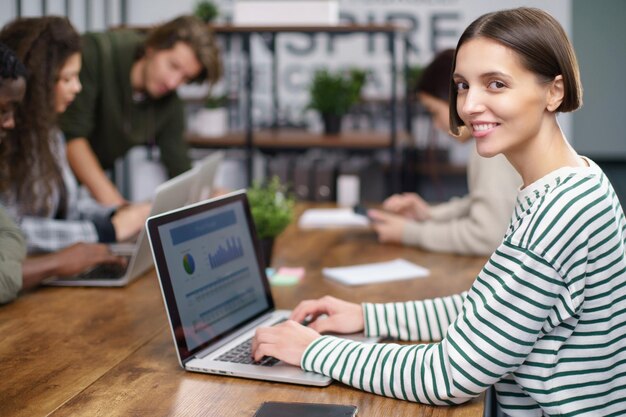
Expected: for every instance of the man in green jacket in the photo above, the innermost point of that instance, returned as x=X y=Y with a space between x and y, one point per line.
x=129 y=98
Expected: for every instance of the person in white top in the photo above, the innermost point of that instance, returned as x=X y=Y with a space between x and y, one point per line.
x=471 y=225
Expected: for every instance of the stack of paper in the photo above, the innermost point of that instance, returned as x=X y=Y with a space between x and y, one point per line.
x=376 y=272
x=329 y=218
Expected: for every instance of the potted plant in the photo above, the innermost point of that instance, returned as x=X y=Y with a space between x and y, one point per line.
x=272 y=211
x=332 y=94
x=206 y=11
x=212 y=119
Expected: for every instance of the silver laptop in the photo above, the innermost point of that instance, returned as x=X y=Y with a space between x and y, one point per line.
x=188 y=187
x=215 y=289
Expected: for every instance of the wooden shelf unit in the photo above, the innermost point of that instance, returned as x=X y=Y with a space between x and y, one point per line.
x=250 y=139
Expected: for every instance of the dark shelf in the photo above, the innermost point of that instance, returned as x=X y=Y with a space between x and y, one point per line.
x=299 y=139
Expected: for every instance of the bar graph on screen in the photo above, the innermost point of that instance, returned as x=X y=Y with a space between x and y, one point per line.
x=226 y=252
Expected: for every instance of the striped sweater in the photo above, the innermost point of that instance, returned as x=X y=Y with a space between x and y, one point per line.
x=545 y=320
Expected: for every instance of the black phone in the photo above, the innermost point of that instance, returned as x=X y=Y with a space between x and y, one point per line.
x=360 y=209
x=284 y=409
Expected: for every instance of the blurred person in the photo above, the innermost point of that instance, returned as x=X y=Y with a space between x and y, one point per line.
x=129 y=98
x=16 y=273
x=37 y=186
x=471 y=225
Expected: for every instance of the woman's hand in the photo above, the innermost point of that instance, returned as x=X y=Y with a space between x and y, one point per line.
x=66 y=262
x=82 y=256
x=330 y=314
x=286 y=341
x=409 y=205
x=389 y=227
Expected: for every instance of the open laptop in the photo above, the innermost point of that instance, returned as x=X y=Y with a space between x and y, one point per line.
x=215 y=289
x=189 y=187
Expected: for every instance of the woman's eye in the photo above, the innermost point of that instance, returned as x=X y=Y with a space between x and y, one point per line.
x=461 y=86
x=496 y=85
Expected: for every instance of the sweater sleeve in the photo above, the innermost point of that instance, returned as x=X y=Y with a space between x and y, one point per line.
x=169 y=139
x=456 y=207
x=12 y=253
x=414 y=320
x=496 y=330
x=50 y=235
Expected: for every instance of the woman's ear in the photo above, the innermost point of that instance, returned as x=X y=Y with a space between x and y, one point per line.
x=556 y=93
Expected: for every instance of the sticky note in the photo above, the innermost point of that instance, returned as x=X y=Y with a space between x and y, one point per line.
x=283 y=280
x=287 y=276
x=296 y=272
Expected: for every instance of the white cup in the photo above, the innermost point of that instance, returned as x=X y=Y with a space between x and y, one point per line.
x=348 y=190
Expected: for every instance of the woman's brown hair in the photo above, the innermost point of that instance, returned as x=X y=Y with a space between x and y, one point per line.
x=43 y=44
x=538 y=40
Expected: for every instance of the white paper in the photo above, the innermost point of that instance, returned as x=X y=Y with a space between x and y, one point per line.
x=398 y=269
x=329 y=218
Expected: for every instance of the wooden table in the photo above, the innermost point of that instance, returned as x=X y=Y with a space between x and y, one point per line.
x=108 y=352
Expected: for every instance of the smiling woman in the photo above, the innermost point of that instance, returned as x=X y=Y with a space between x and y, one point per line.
x=32 y=40
x=544 y=321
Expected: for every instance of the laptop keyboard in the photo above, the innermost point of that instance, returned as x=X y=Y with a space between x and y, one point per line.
x=108 y=271
x=242 y=353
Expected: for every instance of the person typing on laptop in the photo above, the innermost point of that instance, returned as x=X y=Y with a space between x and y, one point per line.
x=38 y=188
x=16 y=273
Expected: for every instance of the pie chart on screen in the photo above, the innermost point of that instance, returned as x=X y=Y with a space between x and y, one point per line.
x=189 y=264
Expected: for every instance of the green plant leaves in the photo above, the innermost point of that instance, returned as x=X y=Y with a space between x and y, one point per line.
x=271 y=207
x=336 y=92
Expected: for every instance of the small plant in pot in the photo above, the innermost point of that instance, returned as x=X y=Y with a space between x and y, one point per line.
x=212 y=119
x=272 y=211
x=206 y=11
x=334 y=93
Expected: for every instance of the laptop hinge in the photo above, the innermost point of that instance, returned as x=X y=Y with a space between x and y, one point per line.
x=208 y=350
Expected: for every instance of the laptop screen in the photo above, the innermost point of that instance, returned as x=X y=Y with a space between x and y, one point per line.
x=210 y=270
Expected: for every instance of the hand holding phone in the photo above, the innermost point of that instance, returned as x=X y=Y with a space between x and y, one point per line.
x=360 y=209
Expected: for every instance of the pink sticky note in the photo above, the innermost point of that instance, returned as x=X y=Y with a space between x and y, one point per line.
x=297 y=272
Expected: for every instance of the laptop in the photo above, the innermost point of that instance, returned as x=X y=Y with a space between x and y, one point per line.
x=189 y=187
x=215 y=290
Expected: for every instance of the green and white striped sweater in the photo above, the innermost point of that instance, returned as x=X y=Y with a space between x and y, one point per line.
x=545 y=320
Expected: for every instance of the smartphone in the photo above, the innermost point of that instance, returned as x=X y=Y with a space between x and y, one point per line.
x=360 y=209
x=283 y=409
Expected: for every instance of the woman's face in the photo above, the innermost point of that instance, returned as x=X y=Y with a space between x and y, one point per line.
x=11 y=94
x=68 y=83
x=501 y=102
x=440 y=112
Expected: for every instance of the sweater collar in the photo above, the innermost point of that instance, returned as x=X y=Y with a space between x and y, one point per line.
x=527 y=196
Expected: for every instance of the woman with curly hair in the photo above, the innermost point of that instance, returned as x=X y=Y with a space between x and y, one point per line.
x=16 y=273
x=38 y=187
